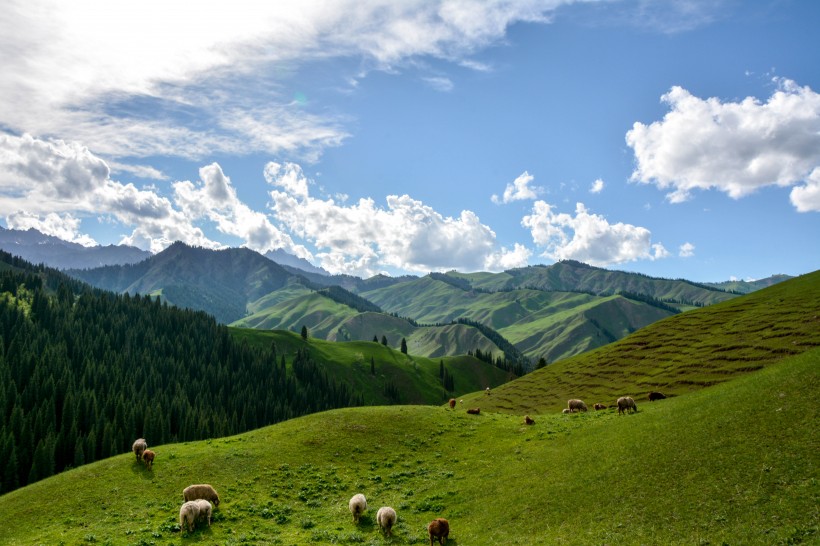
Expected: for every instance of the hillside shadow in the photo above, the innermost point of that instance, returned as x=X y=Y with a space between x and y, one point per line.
x=146 y=473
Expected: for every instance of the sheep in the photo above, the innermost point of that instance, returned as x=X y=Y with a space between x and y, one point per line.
x=201 y=491
x=576 y=405
x=386 y=517
x=205 y=510
x=625 y=403
x=528 y=420
x=357 y=505
x=439 y=529
x=148 y=458
x=139 y=446
x=487 y=390
x=565 y=411
x=188 y=514
x=452 y=403
x=474 y=411
x=599 y=406
x=656 y=396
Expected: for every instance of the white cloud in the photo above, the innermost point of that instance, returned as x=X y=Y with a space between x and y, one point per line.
x=807 y=198
x=687 y=250
x=364 y=239
x=142 y=82
x=589 y=238
x=597 y=186
x=65 y=227
x=440 y=83
x=734 y=147
x=519 y=190
x=215 y=199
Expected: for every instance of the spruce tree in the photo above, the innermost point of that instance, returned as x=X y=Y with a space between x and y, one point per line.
x=404 y=345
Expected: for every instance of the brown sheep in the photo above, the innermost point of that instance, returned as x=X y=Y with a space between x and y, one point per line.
x=576 y=405
x=439 y=529
x=626 y=403
x=528 y=420
x=138 y=447
x=656 y=396
x=599 y=406
x=201 y=491
x=474 y=411
x=452 y=403
x=148 y=458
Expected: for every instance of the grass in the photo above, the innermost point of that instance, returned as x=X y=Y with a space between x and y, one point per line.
x=735 y=463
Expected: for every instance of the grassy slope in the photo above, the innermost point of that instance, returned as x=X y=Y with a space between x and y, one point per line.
x=679 y=354
x=735 y=463
x=416 y=377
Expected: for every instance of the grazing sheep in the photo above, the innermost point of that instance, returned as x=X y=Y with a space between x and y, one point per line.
x=487 y=390
x=565 y=410
x=205 y=510
x=386 y=517
x=656 y=396
x=139 y=446
x=188 y=514
x=626 y=403
x=452 y=403
x=357 y=505
x=148 y=458
x=528 y=420
x=599 y=406
x=439 y=529
x=474 y=411
x=201 y=491
x=576 y=405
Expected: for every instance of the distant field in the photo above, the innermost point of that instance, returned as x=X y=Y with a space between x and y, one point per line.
x=736 y=463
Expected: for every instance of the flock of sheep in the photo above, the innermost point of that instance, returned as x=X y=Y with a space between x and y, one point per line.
x=438 y=529
x=198 y=498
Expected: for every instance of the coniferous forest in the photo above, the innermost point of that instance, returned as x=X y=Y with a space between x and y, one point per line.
x=84 y=372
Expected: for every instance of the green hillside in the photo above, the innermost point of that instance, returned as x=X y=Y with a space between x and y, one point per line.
x=735 y=463
x=416 y=379
x=541 y=324
x=679 y=354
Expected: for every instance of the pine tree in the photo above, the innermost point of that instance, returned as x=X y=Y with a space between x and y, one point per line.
x=304 y=332
x=403 y=345
x=384 y=340
x=372 y=366
x=375 y=338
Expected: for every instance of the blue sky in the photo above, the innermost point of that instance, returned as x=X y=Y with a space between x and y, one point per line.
x=673 y=138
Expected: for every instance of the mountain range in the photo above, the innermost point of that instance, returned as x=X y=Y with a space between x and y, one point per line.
x=525 y=314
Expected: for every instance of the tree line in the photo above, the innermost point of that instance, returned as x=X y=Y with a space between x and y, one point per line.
x=84 y=372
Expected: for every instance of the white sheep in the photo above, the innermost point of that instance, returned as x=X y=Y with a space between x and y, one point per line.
x=188 y=514
x=357 y=505
x=386 y=517
x=626 y=403
x=138 y=447
x=576 y=405
x=565 y=410
x=205 y=510
x=201 y=491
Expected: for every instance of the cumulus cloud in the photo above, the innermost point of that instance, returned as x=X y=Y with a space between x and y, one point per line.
x=519 y=190
x=597 y=186
x=364 y=238
x=734 y=147
x=130 y=83
x=215 y=198
x=687 y=250
x=588 y=237
x=806 y=198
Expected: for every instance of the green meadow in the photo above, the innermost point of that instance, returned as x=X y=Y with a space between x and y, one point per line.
x=734 y=463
